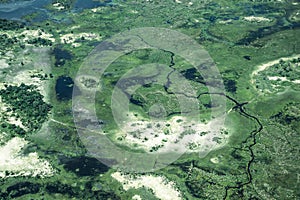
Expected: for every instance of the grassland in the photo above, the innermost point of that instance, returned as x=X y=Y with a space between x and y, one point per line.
x=257 y=158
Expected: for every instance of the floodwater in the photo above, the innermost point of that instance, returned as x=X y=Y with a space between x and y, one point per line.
x=17 y=9
x=64 y=88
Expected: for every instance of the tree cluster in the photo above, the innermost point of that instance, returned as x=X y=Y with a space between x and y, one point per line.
x=289 y=114
x=40 y=41
x=26 y=104
x=10 y=25
x=6 y=41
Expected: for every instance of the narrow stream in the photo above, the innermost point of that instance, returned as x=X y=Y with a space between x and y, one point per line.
x=253 y=137
x=239 y=107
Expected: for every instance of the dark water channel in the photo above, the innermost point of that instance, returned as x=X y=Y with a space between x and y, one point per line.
x=17 y=9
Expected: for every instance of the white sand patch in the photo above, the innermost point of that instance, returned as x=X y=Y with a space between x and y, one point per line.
x=162 y=188
x=70 y=38
x=3 y=136
x=25 y=77
x=12 y=163
x=296 y=81
x=75 y=27
x=58 y=6
x=275 y=78
x=9 y=54
x=177 y=134
x=94 y=10
x=136 y=197
x=214 y=160
x=36 y=61
x=134 y=11
x=3 y=106
x=225 y=21
x=3 y=64
x=2 y=86
x=269 y=64
x=9 y=119
x=15 y=164
x=76 y=44
x=30 y=34
x=26 y=35
x=17 y=122
x=9 y=33
x=256 y=19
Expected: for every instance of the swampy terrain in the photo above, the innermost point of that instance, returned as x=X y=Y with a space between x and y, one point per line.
x=146 y=99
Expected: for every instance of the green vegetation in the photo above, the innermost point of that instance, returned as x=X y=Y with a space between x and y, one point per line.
x=7 y=41
x=27 y=104
x=40 y=42
x=255 y=163
x=279 y=76
x=67 y=4
x=10 y=25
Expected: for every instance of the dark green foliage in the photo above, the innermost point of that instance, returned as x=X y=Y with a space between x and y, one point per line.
x=196 y=188
x=6 y=41
x=23 y=188
x=27 y=103
x=40 y=41
x=230 y=85
x=289 y=114
x=12 y=129
x=287 y=72
x=10 y=25
x=87 y=193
